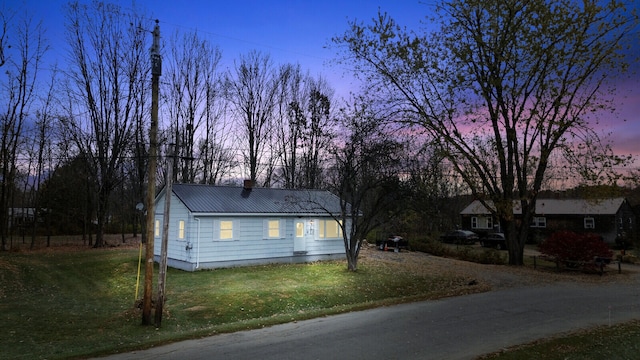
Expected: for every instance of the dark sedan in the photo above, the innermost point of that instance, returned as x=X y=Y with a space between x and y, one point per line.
x=459 y=237
x=495 y=240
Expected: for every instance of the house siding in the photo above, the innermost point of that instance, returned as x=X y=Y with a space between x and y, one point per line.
x=176 y=248
x=604 y=225
x=609 y=223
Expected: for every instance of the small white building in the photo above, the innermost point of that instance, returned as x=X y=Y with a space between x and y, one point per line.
x=225 y=226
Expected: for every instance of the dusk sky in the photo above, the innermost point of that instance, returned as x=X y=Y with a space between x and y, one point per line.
x=298 y=31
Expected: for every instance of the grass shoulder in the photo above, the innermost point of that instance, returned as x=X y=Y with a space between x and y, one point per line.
x=619 y=341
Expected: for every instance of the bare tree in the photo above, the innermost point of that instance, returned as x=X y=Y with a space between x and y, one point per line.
x=43 y=151
x=365 y=176
x=22 y=59
x=5 y=20
x=304 y=127
x=289 y=122
x=216 y=157
x=500 y=86
x=191 y=95
x=318 y=132
x=434 y=189
x=252 y=92
x=107 y=66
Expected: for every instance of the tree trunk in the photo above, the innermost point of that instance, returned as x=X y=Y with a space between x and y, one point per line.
x=352 y=261
x=103 y=202
x=515 y=246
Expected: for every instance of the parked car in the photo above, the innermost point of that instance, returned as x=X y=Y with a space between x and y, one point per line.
x=459 y=237
x=494 y=240
x=393 y=242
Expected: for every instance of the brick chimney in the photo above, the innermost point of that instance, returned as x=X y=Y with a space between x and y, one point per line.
x=248 y=185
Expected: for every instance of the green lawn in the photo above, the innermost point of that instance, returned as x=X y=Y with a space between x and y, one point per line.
x=605 y=342
x=76 y=304
x=57 y=304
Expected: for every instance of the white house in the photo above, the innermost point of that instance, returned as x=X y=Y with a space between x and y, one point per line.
x=224 y=226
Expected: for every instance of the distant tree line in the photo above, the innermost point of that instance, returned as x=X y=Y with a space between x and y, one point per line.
x=493 y=104
x=74 y=145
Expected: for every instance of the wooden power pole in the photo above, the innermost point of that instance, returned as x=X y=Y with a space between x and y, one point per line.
x=156 y=71
x=162 y=274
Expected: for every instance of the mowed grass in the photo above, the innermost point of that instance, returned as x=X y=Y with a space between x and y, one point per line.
x=620 y=341
x=77 y=304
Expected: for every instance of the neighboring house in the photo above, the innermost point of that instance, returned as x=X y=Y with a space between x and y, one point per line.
x=20 y=216
x=613 y=218
x=224 y=226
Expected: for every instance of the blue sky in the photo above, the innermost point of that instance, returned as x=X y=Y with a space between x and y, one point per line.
x=297 y=32
x=289 y=31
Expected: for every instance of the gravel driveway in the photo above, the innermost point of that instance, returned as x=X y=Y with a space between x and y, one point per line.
x=495 y=277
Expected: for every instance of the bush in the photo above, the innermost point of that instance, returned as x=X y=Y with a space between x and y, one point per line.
x=575 y=250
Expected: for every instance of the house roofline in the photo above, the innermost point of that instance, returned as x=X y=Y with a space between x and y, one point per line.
x=208 y=214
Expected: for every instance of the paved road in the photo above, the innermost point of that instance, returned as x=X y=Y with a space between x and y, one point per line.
x=454 y=328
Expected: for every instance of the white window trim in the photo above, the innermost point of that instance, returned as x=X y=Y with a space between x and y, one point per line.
x=539 y=222
x=266 y=234
x=156 y=228
x=182 y=230
x=589 y=223
x=321 y=225
x=487 y=222
x=217 y=230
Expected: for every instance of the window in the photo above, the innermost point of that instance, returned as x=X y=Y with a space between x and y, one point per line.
x=482 y=222
x=156 y=229
x=329 y=229
x=226 y=230
x=539 y=222
x=272 y=229
x=299 y=229
x=181 y=229
x=589 y=223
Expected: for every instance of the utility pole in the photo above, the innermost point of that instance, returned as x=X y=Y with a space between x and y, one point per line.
x=156 y=71
x=162 y=275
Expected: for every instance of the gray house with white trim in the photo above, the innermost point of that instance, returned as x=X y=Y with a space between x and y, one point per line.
x=225 y=226
x=611 y=218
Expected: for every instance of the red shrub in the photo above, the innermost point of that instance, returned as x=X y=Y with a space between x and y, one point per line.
x=574 y=249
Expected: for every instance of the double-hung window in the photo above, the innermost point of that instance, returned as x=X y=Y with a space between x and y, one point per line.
x=223 y=230
x=482 y=222
x=273 y=229
x=589 y=223
x=329 y=229
x=539 y=222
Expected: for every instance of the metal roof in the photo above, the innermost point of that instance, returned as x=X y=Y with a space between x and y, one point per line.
x=558 y=207
x=238 y=200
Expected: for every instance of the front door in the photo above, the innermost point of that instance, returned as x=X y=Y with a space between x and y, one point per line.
x=299 y=240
